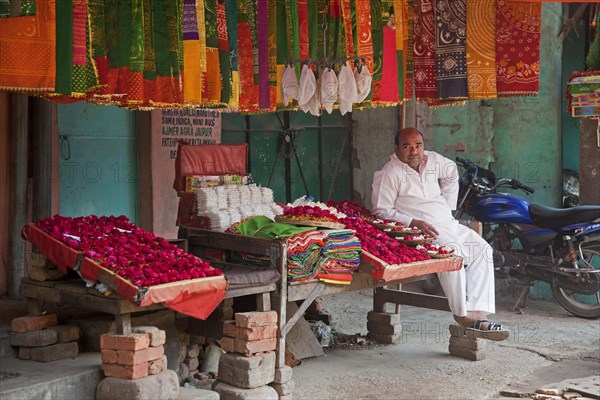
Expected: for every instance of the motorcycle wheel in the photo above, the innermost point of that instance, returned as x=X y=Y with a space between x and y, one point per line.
x=584 y=306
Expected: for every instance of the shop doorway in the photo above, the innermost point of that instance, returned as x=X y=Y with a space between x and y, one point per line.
x=98 y=161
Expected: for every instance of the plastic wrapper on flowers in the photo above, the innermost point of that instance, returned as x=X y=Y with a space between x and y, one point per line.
x=134 y=263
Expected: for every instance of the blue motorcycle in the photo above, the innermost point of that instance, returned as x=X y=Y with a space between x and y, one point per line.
x=534 y=242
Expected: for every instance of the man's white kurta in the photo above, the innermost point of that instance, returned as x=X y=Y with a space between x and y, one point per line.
x=402 y=194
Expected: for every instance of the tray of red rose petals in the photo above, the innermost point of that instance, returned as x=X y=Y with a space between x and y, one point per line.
x=436 y=251
x=383 y=272
x=308 y=222
x=134 y=263
x=414 y=240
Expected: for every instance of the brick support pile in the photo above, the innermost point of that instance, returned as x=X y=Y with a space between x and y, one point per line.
x=136 y=364
x=40 y=338
x=384 y=327
x=247 y=370
x=462 y=346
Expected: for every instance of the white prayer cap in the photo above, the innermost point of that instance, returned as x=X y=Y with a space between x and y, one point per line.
x=363 y=82
x=308 y=87
x=289 y=85
x=347 y=92
x=329 y=89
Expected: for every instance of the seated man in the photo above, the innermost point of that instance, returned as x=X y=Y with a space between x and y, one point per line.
x=420 y=188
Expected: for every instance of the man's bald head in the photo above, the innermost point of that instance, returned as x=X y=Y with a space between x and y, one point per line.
x=406 y=132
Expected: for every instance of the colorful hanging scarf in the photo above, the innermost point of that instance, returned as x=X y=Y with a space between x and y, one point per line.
x=263 y=55
x=377 y=38
x=223 y=46
x=293 y=29
x=424 y=48
x=518 y=47
x=481 y=49
x=272 y=17
x=28 y=57
x=248 y=90
x=363 y=23
x=213 y=76
x=347 y=21
x=314 y=30
x=192 y=88
x=389 y=76
x=64 y=47
x=282 y=49
x=232 y=38
x=409 y=45
x=335 y=31
x=252 y=8
x=303 y=29
x=85 y=79
x=202 y=40
x=450 y=49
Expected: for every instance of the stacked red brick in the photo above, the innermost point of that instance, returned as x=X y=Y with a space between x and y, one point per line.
x=133 y=356
x=248 y=370
x=40 y=338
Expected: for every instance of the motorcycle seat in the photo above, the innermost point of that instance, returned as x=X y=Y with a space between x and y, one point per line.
x=554 y=218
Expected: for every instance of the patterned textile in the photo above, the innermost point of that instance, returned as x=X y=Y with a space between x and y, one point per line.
x=389 y=92
x=303 y=29
x=213 y=70
x=192 y=88
x=450 y=49
x=481 y=49
x=379 y=13
x=223 y=46
x=347 y=21
x=408 y=16
x=252 y=13
x=232 y=38
x=248 y=90
x=202 y=40
x=282 y=46
x=363 y=32
x=272 y=32
x=28 y=56
x=263 y=55
x=293 y=29
x=64 y=47
x=424 y=50
x=85 y=79
x=518 y=47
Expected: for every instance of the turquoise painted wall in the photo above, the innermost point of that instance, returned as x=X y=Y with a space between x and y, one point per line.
x=98 y=160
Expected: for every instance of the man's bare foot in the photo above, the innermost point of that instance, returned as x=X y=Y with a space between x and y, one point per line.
x=468 y=320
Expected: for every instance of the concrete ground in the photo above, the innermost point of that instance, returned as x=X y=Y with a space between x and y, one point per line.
x=547 y=345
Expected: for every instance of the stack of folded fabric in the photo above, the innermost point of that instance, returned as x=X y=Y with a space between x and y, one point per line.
x=340 y=256
x=304 y=251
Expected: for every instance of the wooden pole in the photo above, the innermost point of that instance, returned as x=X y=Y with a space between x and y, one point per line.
x=18 y=192
x=41 y=149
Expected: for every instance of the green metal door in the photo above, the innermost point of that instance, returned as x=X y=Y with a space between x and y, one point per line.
x=98 y=162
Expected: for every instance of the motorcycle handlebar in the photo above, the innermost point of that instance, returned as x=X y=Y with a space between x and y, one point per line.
x=519 y=185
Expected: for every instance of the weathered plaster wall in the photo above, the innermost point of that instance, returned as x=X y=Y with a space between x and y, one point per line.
x=373 y=138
